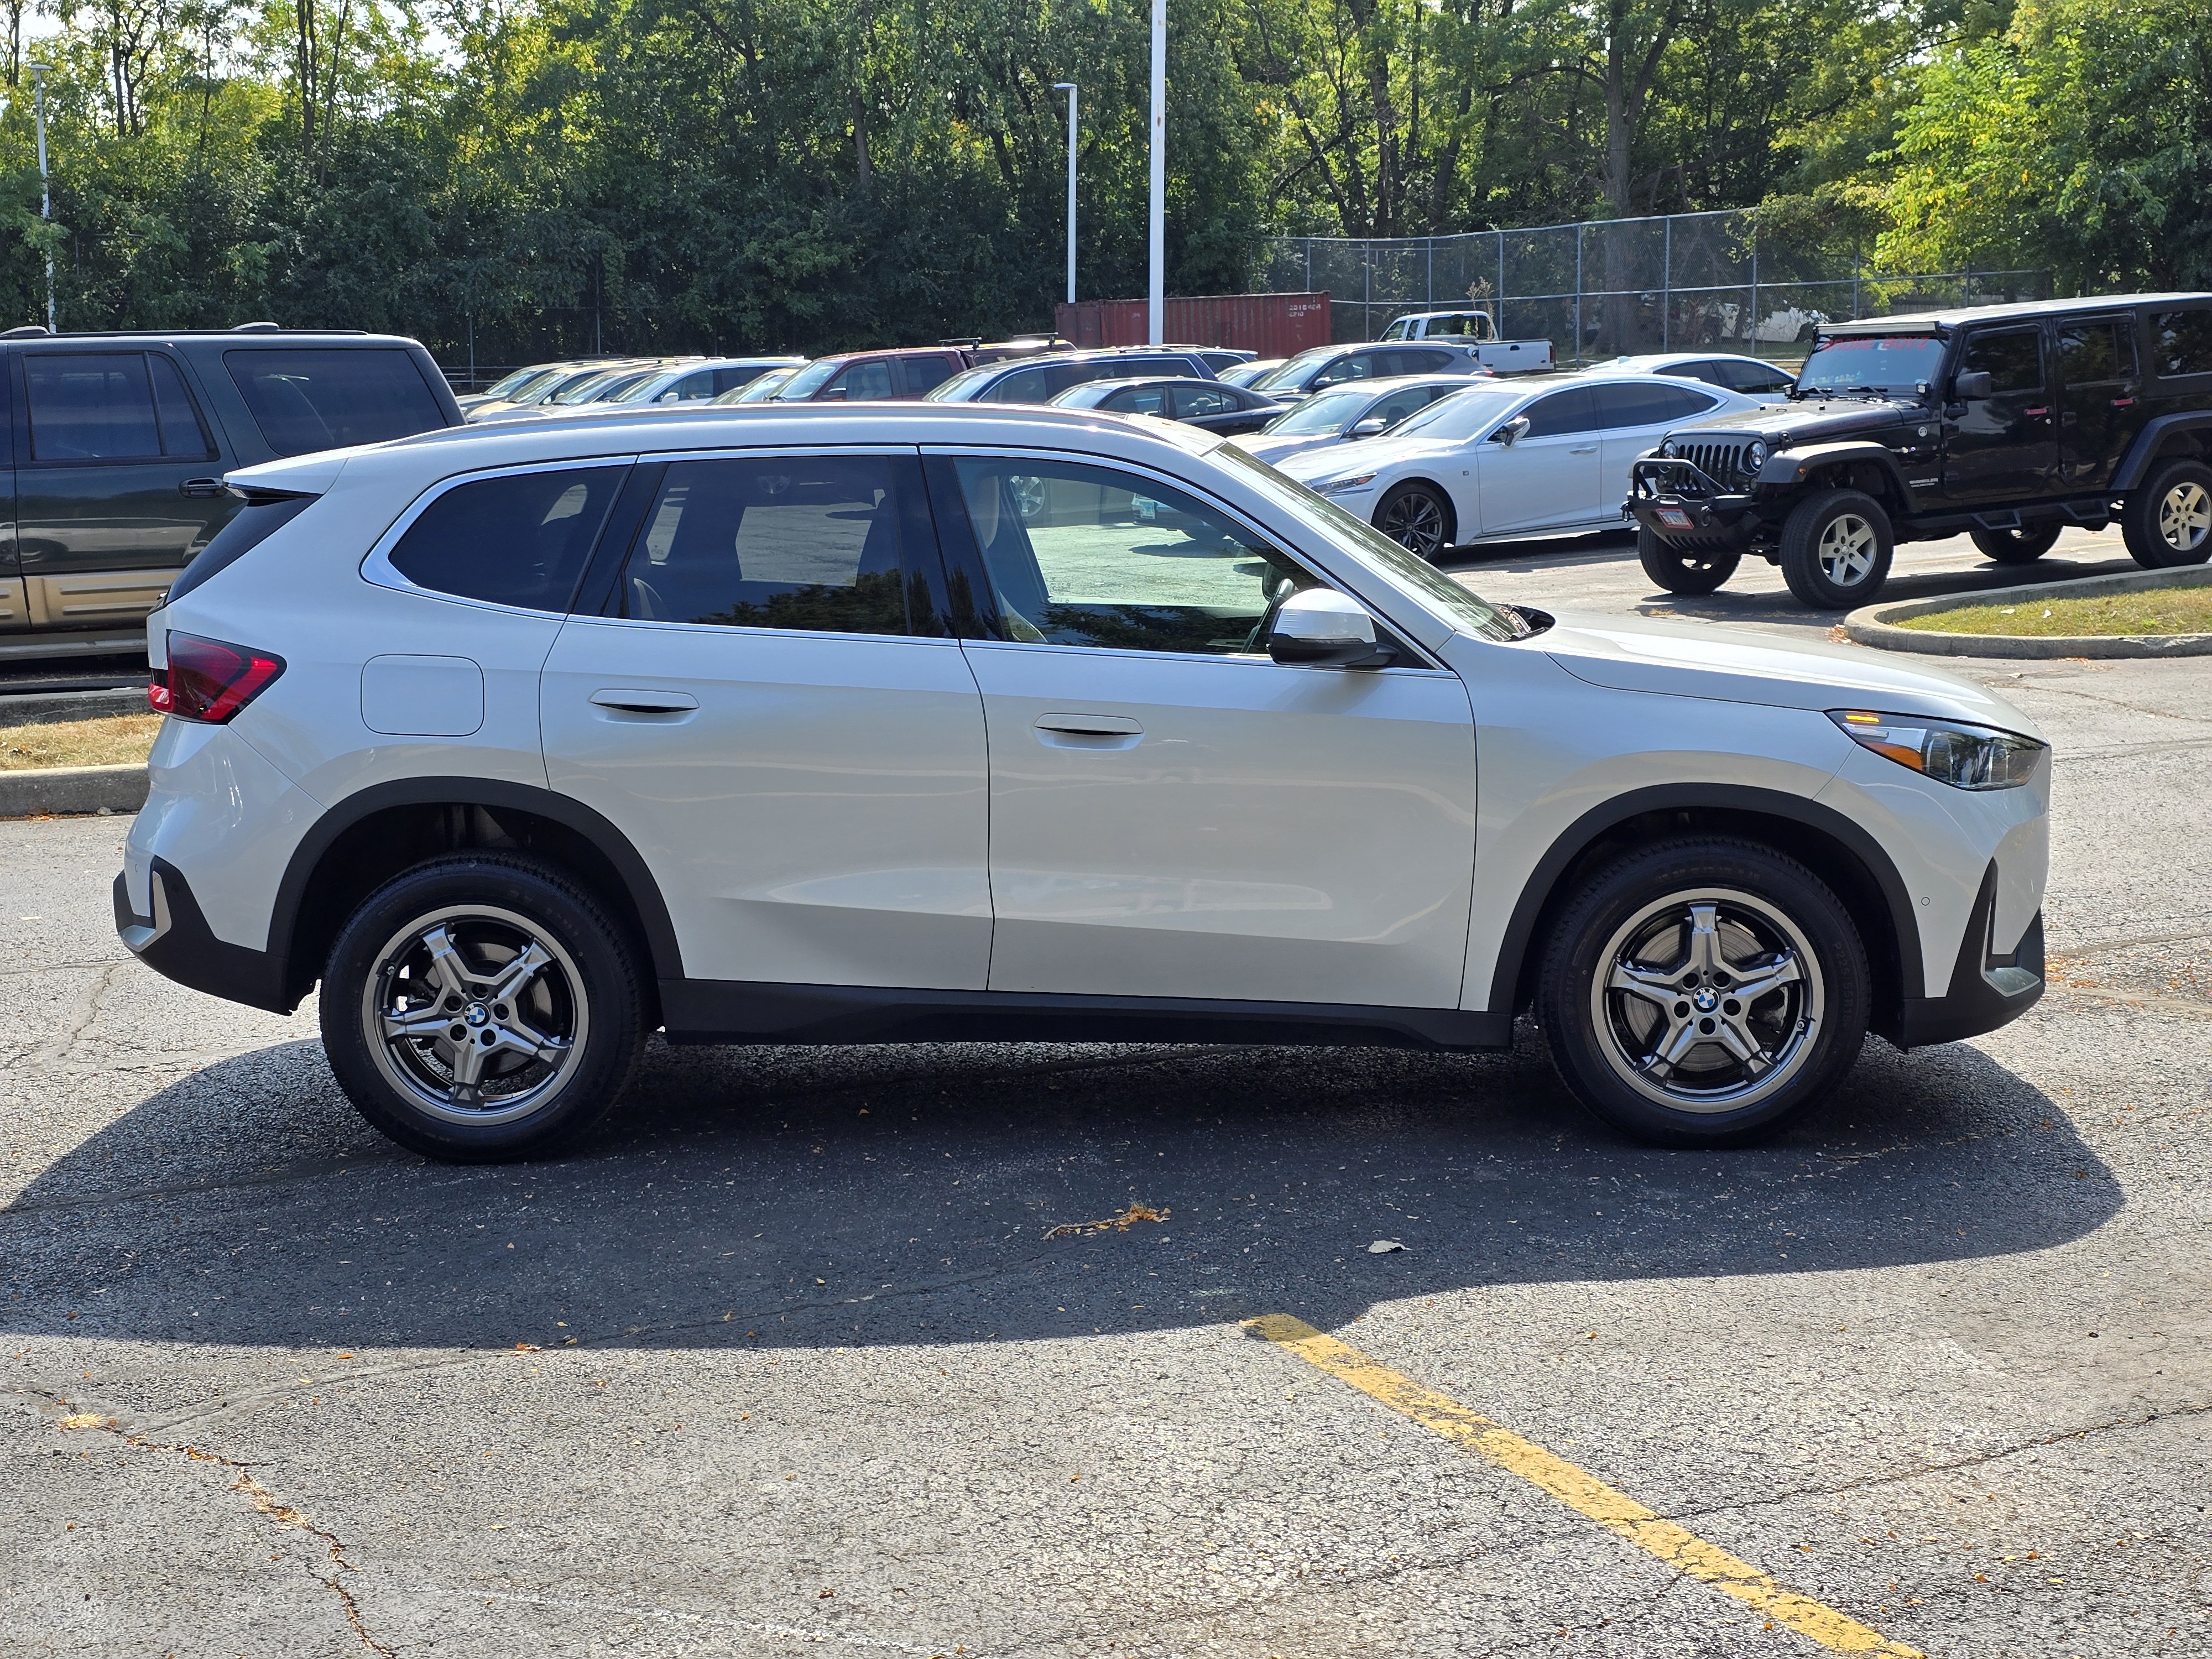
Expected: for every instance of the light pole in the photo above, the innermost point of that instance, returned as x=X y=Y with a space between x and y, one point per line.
x=1068 y=86
x=45 y=194
x=1156 y=310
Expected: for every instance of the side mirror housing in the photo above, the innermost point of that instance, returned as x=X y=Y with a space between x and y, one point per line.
x=1373 y=427
x=1976 y=385
x=836 y=394
x=1321 y=629
x=668 y=397
x=1512 y=432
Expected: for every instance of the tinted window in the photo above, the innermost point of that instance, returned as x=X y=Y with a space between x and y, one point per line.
x=1360 y=366
x=1023 y=385
x=304 y=400
x=927 y=373
x=91 y=407
x=1139 y=400
x=1631 y=405
x=2012 y=357
x=1750 y=377
x=1194 y=400
x=1399 y=404
x=2182 y=340
x=2102 y=350
x=1085 y=555
x=522 y=539
x=1561 y=413
x=1423 y=363
x=801 y=541
x=182 y=433
x=250 y=527
x=1704 y=370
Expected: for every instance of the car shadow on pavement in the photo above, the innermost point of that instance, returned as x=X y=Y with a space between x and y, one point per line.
x=965 y=1192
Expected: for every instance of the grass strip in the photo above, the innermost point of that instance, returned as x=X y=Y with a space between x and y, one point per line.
x=2156 y=610
x=112 y=740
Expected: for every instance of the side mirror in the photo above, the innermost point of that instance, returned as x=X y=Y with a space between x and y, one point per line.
x=1512 y=432
x=1976 y=385
x=1319 y=628
x=836 y=394
x=1373 y=427
x=668 y=397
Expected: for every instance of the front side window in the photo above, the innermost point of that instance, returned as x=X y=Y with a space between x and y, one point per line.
x=520 y=539
x=2103 y=349
x=865 y=381
x=1563 y=413
x=2182 y=340
x=2012 y=357
x=305 y=400
x=1360 y=366
x=786 y=541
x=1087 y=555
x=1023 y=385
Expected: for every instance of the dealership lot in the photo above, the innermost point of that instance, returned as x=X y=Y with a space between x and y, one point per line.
x=822 y=1350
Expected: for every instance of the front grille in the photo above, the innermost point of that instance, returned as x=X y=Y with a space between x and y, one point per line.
x=1722 y=461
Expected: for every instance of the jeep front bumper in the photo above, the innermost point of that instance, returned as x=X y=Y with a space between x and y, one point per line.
x=1684 y=505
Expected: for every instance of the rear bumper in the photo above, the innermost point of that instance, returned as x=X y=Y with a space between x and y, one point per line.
x=1987 y=989
x=177 y=942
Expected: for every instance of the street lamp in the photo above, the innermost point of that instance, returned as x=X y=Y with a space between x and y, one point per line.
x=1068 y=86
x=39 y=73
x=1157 y=308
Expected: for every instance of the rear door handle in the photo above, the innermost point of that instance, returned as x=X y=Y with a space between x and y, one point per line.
x=2123 y=403
x=636 y=701
x=2035 y=414
x=1091 y=726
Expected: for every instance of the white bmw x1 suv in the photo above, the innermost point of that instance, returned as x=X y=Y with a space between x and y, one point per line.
x=832 y=724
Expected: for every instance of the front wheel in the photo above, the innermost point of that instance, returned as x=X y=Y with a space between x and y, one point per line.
x=2022 y=546
x=479 y=1007
x=1419 y=517
x=2168 y=523
x=1836 y=550
x=1703 y=992
x=1675 y=570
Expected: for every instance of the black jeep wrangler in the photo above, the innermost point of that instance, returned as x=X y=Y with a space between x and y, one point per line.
x=2009 y=423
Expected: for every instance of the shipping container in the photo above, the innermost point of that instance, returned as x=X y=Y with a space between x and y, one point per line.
x=1272 y=324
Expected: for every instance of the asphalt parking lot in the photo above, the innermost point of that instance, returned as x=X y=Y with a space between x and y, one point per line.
x=1013 y=1351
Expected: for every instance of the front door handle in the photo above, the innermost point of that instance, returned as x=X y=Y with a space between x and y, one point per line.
x=201 y=489
x=1091 y=726
x=637 y=701
x=1590 y=449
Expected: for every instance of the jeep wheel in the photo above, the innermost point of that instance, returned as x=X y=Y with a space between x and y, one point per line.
x=1701 y=991
x=1679 y=570
x=1836 y=550
x=479 y=1007
x=1418 y=518
x=2169 y=522
x=2022 y=546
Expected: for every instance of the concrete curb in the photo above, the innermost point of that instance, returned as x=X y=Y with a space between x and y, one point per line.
x=1873 y=625
x=72 y=789
x=51 y=707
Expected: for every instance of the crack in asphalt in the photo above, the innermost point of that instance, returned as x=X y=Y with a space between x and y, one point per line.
x=83 y=1018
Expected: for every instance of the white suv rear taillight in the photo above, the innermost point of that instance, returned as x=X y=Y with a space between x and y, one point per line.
x=209 y=681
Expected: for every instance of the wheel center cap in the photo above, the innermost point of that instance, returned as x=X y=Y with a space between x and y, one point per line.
x=478 y=1015
x=1705 y=1002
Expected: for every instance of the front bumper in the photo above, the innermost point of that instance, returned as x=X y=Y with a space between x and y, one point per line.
x=1987 y=989
x=176 y=942
x=1685 y=507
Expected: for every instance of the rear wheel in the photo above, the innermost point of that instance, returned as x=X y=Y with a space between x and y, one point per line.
x=2168 y=523
x=1702 y=992
x=479 y=1007
x=2022 y=546
x=1836 y=550
x=1419 y=517
x=1679 y=570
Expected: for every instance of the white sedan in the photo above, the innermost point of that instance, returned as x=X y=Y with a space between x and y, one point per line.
x=1512 y=458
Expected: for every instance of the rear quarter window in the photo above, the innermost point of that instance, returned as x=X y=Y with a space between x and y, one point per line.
x=308 y=399
x=520 y=539
x=2181 y=342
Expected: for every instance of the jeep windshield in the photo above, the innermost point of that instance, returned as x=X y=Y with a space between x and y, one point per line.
x=1884 y=365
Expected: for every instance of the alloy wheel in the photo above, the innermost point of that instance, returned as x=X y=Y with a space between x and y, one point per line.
x=2184 y=516
x=1707 y=1000
x=1415 y=521
x=1847 y=550
x=476 y=1013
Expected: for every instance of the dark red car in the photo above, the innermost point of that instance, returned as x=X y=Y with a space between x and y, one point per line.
x=857 y=376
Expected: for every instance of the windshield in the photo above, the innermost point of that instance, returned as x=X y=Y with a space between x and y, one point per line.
x=603 y=386
x=810 y=379
x=1459 y=414
x=508 y=385
x=641 y=387
x=1295 y=370
x=1896 y=364
x=759 y=389
x=1323 y=414
x=1408 y=571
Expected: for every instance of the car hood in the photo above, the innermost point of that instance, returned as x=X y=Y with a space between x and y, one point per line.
x=1366 y=455
x=1276 y=450
x=1809 y=420
x=1698 y=659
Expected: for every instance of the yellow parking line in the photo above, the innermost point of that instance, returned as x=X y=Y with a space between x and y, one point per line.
x=1616 y=1511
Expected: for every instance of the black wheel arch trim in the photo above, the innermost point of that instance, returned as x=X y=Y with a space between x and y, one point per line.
x=494 y=794
x=177 y=942
x=1790 y=467
x=2143 y=452
x=1542 y=883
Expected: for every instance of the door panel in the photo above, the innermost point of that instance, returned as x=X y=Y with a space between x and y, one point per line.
x=2100 y=409
x=1263 y=833
x=2004 y=448
x=1550 y=477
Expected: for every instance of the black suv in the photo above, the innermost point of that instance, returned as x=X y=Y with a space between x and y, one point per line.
x=2009 y=423
x=113 y=478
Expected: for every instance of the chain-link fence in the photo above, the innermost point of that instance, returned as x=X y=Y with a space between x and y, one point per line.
x=1610 y=286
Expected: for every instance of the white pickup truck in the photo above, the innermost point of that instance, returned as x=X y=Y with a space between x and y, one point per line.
x=1476 y=329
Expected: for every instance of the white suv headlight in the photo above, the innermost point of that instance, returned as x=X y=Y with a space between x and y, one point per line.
x=1950 y=752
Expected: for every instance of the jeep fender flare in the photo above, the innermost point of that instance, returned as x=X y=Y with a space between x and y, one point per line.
x=2141 y=453
x=1791 y=466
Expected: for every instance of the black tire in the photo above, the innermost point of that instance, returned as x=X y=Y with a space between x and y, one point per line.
x=546 y=1062
x=2022 y=546
x=1640 y=913
x=1836 y=549
x=1679 y=570
x=2167 y=523
x=1419 y=517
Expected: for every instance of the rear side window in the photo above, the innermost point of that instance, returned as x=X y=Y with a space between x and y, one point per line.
x=926 y=375
x=2101 y=348
x=1750 y=377
x=2181 y=341
x=1647 y=406
x=788 y=541
x=520 y=540
x=253 y=526
x=305 y=400
x=111 y=406
x=1419 y=362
